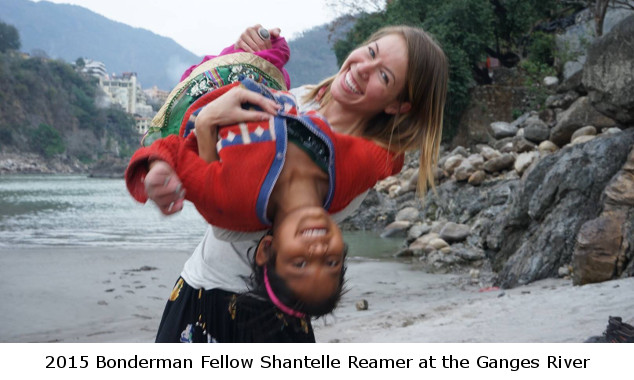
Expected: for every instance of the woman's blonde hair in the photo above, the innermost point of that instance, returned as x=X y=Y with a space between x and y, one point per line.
x=425 y=89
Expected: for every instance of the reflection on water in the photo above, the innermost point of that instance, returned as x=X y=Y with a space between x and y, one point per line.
x=44 y=210
x=38 y=210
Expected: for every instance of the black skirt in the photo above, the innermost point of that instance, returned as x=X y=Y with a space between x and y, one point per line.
x=218 y=316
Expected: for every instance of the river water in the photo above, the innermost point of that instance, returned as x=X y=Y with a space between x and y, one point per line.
x=74 y=210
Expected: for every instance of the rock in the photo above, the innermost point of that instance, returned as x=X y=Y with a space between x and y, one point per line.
x=406 y=252
x=562 y=101
x=537 y=231
x=445 y=250
x=477 y=178
x=452 y=163
x=411 y=181
x=548 y=116
x=397 y=228
x=580 y=113
x=537 y=131
x=375 y=212
x=609 y=72
x=519 y=122
x=502 y=144
x=489 y=153
x=408 y=214
x=395 y=190
x=109 y=167
x=503 y=129
x=384 y=185
x=597 y=249
x=582 y=139
x=469 y=255
x=417 y=230
x=464 y=171
x=548 y=147
x=621 y=190
x=460 y=150
x=585 y=131
x=611 y=131
x=551 y=81
x=524 y=160
x=476 y=160
x=573 y=80
x=437 y=244
x=422 y=242
x=521 y=145
x=362 y=305
x=454 y=232
x=564 y=271
x=505 y=161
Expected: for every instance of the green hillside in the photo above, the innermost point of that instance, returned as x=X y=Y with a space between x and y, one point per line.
x=48 y=108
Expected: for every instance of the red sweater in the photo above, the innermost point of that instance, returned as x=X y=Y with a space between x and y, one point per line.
x=233 y=193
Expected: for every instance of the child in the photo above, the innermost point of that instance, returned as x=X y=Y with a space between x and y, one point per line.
x=258 y=181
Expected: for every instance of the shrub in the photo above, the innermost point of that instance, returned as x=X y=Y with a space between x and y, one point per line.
x=46 y=140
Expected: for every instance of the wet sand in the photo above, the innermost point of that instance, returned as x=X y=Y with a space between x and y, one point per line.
x=72 y=294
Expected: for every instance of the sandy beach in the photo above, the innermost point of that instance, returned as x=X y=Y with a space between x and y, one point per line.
x=78 y=294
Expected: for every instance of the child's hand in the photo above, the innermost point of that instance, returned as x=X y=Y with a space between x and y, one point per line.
x=227 y=109
x=164 y=188
x=250 y=40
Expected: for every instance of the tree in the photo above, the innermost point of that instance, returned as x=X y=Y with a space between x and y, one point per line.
x=599 y=9
x=468 y=31
x=9 y=38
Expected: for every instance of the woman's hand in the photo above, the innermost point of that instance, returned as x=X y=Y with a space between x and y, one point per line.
x=227 y=110
x=250 y=40
x=163 y=186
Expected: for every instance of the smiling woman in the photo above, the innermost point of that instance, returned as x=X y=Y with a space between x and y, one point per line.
x=387 y=98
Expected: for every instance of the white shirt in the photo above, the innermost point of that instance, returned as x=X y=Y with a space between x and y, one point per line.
x=222 y=258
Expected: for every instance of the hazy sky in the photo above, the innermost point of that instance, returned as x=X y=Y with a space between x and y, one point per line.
x=207 y=26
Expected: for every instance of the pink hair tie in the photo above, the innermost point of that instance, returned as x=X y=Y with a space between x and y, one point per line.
x=276 y=300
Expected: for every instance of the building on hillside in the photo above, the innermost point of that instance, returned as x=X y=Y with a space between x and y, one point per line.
x=124 y=90
x=95 y=68
x=156 y=96
x=142 y=124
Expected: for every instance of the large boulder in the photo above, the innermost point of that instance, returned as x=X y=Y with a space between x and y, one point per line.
x=535 y=235
x=598 y=249
x=608 y=74
x=580 y=114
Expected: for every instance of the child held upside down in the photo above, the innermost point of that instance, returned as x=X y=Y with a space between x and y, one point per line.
x=286 y=173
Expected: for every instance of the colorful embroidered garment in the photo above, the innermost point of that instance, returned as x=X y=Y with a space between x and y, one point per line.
x=209 y=76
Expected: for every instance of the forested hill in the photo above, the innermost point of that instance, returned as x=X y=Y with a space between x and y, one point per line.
x=68 y=32
x=312 y=57
x=48 y=108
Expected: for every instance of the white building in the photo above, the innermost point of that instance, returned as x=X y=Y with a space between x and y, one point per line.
x=124 y=90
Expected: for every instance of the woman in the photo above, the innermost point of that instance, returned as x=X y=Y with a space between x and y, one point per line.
x=391 y=89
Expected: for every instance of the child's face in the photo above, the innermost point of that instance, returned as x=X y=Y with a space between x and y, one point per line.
x=310 y=253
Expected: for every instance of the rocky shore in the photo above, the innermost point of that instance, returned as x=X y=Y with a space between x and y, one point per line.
x=548 y=195
x=30 y=163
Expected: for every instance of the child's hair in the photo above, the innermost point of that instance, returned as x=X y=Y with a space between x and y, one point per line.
x=283 y=298
x=426 y=90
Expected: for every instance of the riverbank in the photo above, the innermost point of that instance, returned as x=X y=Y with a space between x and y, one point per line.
x=78 y=294
x=30 y=163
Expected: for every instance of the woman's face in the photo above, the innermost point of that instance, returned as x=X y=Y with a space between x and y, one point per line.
x=372 y=77
x=309 y=253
